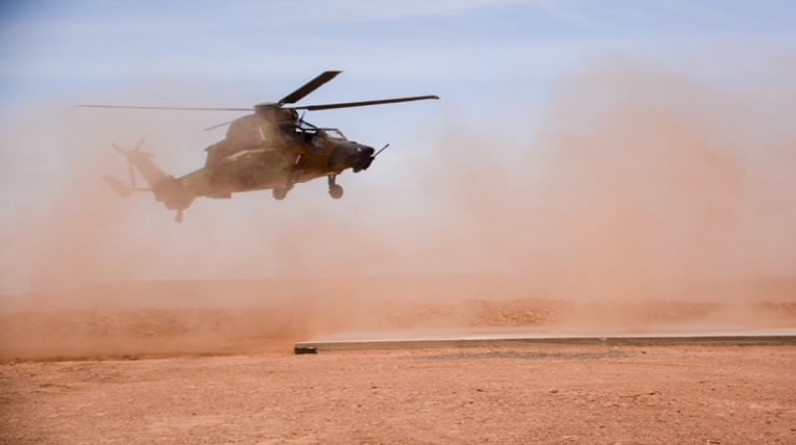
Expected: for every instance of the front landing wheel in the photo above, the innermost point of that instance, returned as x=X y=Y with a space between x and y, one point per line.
x=336 y=191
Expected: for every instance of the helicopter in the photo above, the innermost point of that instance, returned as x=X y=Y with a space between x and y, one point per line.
x=272 y=148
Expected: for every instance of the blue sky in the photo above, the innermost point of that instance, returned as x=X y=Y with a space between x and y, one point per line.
x=491 y=61
x=463 y=49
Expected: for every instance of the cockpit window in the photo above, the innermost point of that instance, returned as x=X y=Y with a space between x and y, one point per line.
x=310 y=129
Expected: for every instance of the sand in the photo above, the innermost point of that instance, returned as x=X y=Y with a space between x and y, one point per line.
x=214 y=375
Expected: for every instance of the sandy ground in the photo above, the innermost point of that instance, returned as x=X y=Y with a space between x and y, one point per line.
x=217 y=376
x=705 y=395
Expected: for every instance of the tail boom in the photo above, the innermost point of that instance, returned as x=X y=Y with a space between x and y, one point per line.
x=166 y=188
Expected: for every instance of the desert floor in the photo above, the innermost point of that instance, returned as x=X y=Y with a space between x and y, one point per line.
x=219 y=376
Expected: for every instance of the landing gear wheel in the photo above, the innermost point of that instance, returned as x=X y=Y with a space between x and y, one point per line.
x=178 y=218
x=336 y=191
x=280 y=193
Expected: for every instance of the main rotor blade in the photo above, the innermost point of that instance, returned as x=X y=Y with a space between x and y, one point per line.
x=363 y=103
x=133 y=107
x=308 y=87
x=218 y=125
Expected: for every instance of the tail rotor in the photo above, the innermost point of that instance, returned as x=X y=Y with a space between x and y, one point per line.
x=167 y=189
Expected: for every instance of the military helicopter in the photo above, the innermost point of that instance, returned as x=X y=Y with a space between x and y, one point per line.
x=272 y=148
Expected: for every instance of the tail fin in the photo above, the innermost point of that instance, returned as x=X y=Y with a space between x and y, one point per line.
x=166 y=188
x=121 y=189
x=142 y=161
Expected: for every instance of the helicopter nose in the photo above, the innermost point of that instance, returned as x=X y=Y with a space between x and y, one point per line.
x=362 y=158
x=351 y=155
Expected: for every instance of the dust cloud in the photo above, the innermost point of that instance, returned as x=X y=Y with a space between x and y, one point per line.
x=651 y=186
x=644 y=188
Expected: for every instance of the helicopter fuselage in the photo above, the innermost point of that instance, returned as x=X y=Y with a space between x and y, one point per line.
x=261 y=154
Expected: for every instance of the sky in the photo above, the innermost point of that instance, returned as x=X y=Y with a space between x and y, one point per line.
x=493 y=62
x=465 y=50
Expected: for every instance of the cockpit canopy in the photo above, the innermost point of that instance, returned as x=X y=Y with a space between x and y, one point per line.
x=305 y=127
x=276 y=126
